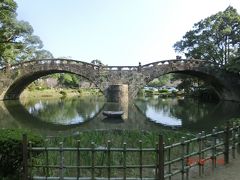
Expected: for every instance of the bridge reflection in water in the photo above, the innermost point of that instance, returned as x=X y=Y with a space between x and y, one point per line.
x=83 y=114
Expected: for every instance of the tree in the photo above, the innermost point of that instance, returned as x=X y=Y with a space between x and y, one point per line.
x=17 y=42
x=216 y=38
x=43 y=54
x=97 y=62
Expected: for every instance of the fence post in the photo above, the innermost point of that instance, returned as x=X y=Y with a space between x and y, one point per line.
x=238 y=138
x=183 y=156
x=140 y=159
x=24 y=156
x=226 y=144
x=61 y=165
x=213 y=157
x=199 y=140
x=124 y=160
x=93 y=160
x=160 y=158
x=109 y=158
x=233 y=140
x=78 y=159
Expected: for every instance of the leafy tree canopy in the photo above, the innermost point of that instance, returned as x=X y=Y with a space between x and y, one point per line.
x=216 y=38
x=17 y=41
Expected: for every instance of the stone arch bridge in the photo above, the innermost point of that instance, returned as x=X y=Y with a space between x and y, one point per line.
x=15 y=78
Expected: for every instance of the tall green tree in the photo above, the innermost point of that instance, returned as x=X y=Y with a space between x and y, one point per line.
x=215 y=38
x=17 y=41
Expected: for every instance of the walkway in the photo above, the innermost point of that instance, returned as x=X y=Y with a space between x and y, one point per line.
x=227 y=172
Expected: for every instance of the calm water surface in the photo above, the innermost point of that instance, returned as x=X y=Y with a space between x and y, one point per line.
x=53 y=116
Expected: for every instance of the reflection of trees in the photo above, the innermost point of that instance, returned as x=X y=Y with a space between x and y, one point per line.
x=65 y=111
x=187 y=109
x=192 y=110
x=194 y=114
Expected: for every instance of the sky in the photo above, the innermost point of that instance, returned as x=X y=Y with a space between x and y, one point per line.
x=117 y=32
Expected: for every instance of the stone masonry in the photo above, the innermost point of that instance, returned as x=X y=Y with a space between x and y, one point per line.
x=15 y=78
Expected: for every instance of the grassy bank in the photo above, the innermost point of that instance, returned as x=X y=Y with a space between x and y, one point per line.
x=58 y=93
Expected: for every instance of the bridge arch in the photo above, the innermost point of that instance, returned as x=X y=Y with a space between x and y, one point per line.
x=209 y=72
x=30 y=71
x=15 y=78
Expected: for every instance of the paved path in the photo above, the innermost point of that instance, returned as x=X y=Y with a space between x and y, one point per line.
x=227 y=172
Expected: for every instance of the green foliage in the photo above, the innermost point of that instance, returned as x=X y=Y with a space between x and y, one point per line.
x=148 y=92
x=215 y=38
x=163 y=91
x=63 y=93
x=97 y=62
x=161 y=81
x=17 y=41
x=11 y=150
x=69 y=80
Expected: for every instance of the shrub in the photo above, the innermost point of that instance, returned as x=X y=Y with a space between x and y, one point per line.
x=163 y=91
x=149 y=92
x=11 y=151
x=63 y=93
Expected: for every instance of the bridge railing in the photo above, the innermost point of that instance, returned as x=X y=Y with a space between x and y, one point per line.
x=203 y=153
x=111 y=68
x=181 y=61
x=120 y=68
x=49 y=62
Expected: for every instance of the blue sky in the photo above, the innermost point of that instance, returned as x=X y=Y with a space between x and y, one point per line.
x=117 y=32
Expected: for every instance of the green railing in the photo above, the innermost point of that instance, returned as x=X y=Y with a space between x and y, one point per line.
x=202 y=153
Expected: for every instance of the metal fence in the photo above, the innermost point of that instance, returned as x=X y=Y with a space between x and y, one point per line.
x=202 y=153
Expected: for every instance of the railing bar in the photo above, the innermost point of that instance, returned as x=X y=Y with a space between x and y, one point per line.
x=173 y=161
x=88 y=178
x=97 y=167
x=96 y=149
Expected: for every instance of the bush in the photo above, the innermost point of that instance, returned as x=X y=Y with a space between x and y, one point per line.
x=148 y=92
x=163 y=91
x=11 y=151
x=63 y=93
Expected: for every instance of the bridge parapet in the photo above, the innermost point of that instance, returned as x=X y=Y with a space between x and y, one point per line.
x=182 y=62
x=120 y=68
x=49 y=62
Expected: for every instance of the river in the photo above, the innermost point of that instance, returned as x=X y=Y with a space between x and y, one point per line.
x=73 y=115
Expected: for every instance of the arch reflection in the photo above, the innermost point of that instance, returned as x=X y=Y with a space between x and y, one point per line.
x=55 y=114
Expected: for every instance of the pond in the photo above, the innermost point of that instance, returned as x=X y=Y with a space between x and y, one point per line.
x=73 y=115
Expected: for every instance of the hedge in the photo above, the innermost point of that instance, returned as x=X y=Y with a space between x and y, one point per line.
x=11 y=151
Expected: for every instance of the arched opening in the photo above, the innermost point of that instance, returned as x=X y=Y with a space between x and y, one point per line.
x=20 y=84
x=189 y=83
x=57 y=97
x=180 y=97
